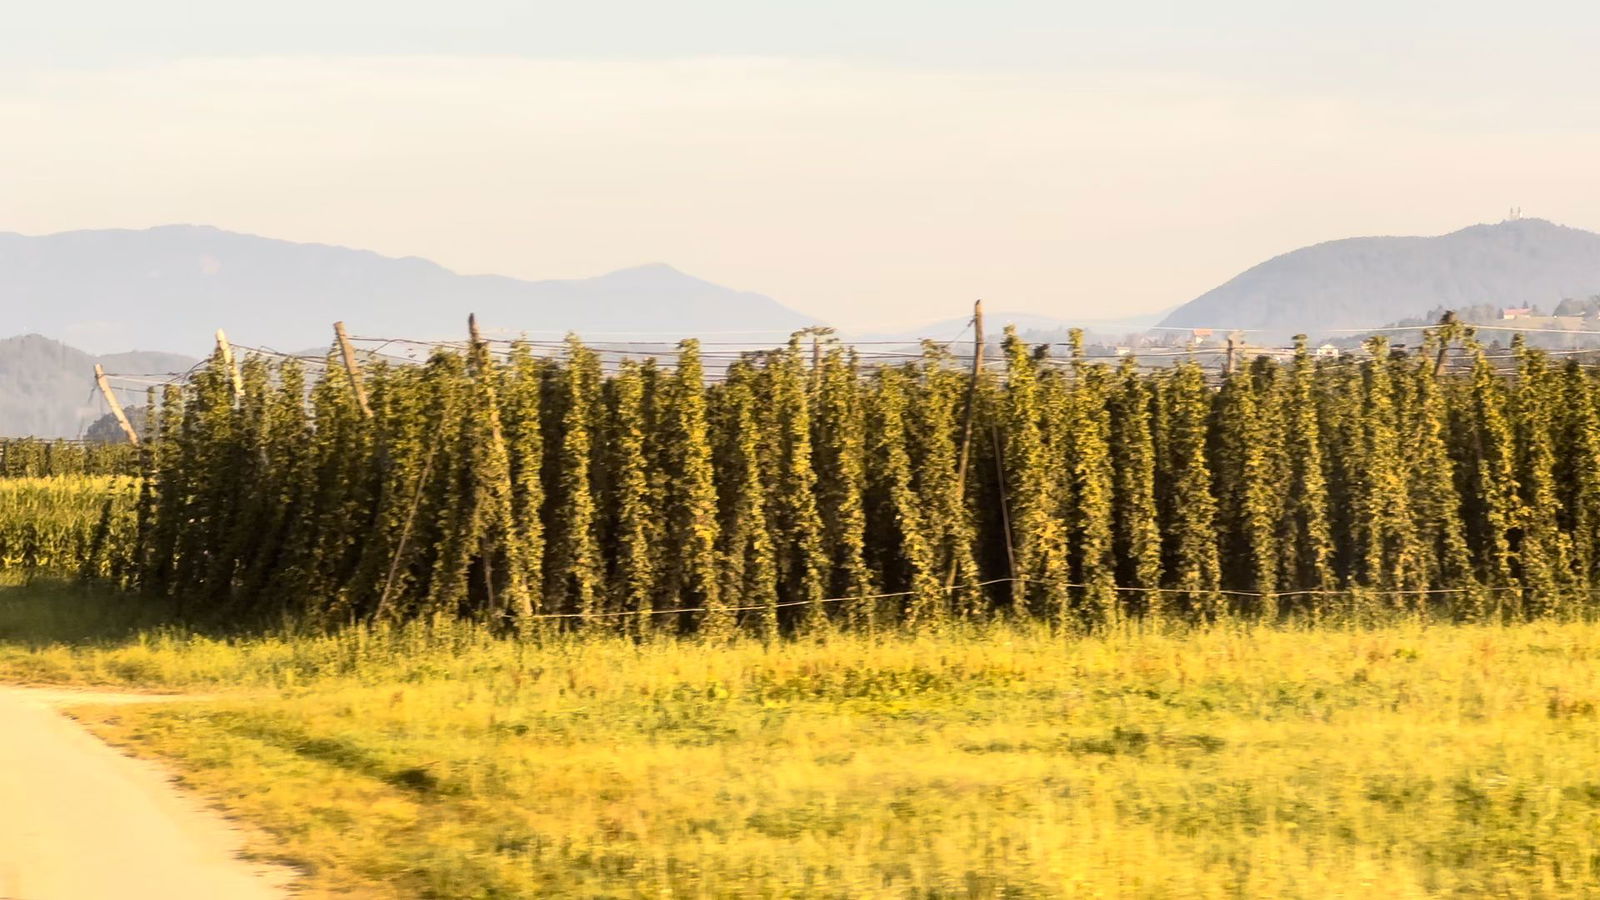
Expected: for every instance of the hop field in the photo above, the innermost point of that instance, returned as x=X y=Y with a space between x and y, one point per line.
x=37 y=458
x=513 y=625
x=438 y=760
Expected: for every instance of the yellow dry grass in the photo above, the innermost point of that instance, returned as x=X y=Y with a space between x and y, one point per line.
x=1400 y=762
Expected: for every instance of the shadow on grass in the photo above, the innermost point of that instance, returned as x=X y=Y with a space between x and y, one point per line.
x=46 y=612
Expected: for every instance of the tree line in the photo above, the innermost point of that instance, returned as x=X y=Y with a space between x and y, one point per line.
x=800 y=489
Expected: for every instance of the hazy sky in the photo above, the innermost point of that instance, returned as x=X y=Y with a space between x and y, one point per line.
x=870 y=163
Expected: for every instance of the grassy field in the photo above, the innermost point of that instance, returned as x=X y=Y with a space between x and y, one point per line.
x=1401 y=762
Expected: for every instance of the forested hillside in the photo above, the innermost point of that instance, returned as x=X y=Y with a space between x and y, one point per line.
x=47 y=388
x=1369 y=281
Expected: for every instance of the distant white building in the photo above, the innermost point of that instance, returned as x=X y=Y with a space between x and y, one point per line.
x=1327 y=351
x=1516 y=312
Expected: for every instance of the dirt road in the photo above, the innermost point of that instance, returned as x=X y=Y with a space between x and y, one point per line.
x=80 y=821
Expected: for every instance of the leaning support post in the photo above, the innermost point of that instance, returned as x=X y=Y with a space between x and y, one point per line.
x=968 y=418
x=352 y=368
x=473 y=333
x=1447 y=333
x=1005 y=513
x=495 y=490
x=226 y=349
x=116 y=407
x=479 y=359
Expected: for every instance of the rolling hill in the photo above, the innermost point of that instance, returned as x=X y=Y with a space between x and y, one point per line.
x=169 y=288
x=1368 y=281
x=47 y=388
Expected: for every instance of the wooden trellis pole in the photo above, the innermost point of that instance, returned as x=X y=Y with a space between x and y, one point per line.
x=971 y=413
x=352 y=368
x=116 y=407
x=1447 y=333
x=226 y=349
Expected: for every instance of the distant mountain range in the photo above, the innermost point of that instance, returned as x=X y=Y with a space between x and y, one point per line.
x=47 y=388
x=1366 y=282
x=169 y=288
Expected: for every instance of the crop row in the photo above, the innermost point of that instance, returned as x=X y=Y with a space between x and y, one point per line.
x=800 y=490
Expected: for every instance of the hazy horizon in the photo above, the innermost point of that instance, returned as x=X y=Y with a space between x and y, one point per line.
x=871 y=165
